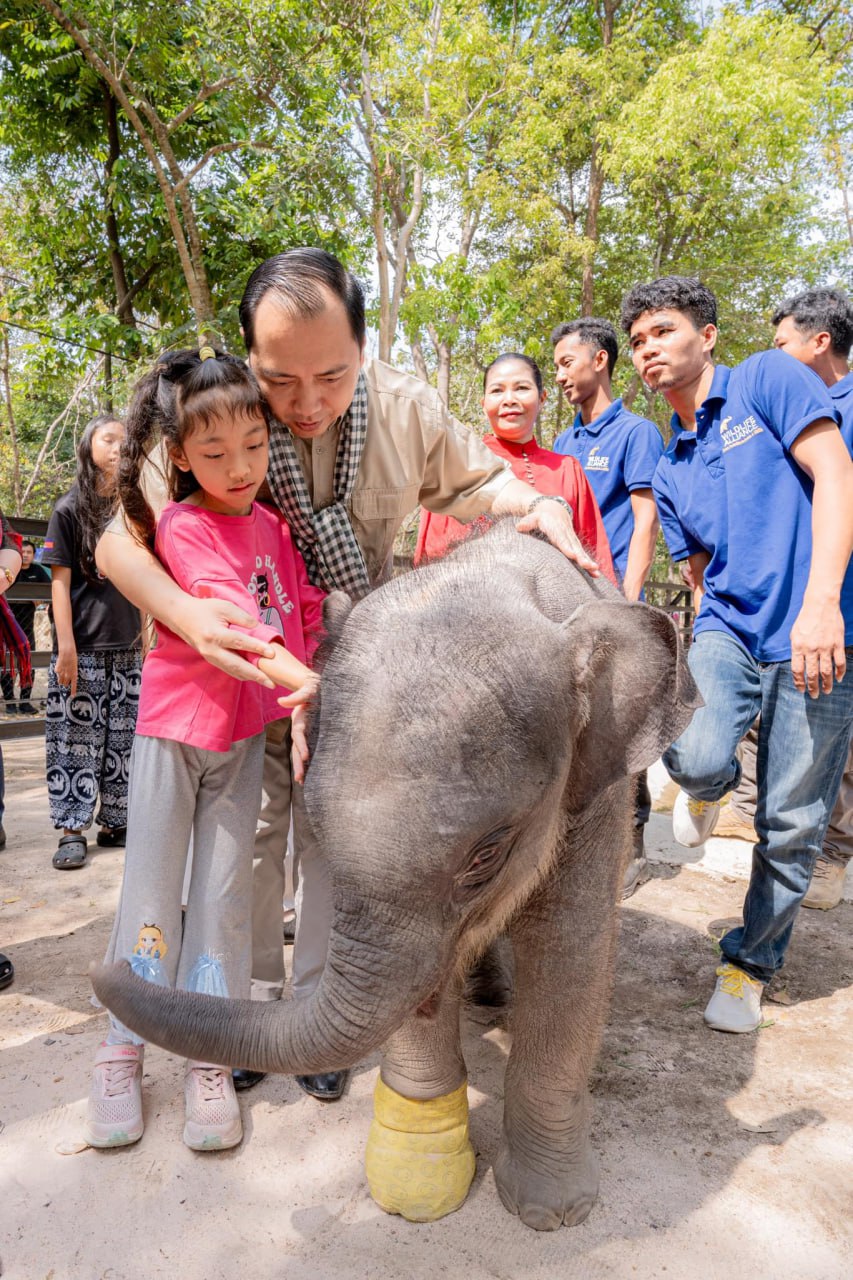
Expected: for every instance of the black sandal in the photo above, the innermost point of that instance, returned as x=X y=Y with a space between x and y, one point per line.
x=114 y=839
x=71 y=853
x=7 y=971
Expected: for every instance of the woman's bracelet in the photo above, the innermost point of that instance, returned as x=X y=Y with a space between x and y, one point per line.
x=550 y=497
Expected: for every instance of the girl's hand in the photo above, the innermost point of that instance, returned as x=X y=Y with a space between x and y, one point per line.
x=66 y=669
x=299 y=743
x=303 y=694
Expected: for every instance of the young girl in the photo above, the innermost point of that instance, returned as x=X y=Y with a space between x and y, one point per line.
x=198 y=755
x=93 y=682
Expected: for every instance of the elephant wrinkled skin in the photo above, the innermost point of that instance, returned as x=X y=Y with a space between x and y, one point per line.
x=478 y=725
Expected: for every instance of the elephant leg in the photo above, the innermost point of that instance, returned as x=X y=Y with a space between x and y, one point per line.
x=564 y=943
x=419 y=1159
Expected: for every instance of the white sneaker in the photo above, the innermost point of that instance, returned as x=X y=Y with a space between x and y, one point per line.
x=827 y=884
x=736 y=1002
x=213 y=1112
x=114 y=1116
x=693 y=821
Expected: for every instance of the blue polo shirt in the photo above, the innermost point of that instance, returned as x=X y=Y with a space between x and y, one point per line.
x=619 y=452
x=841 y=396
x=731 y=488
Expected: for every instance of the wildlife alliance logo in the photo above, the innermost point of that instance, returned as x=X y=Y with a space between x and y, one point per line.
x=738 y=434
x=596 y=461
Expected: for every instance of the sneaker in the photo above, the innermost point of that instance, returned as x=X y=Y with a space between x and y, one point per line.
x=827 y=884
x=27 y=709
x=114 y=1117
x=213 y=1112
x=736 y=1002
x=732 y=825
x=693 y=821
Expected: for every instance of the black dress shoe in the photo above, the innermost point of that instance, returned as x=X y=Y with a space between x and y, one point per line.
x=328 y=1086
x=245 y=1079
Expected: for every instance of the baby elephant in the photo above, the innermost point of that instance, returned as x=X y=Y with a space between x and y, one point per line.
x=477 y=729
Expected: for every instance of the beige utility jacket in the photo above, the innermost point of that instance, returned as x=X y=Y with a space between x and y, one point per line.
x=414 y=452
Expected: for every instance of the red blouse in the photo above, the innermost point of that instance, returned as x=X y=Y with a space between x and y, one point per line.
x=547 y=472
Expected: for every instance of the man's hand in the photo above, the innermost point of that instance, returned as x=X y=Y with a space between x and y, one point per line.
x=817 y=644
x=66 y=669
x=299 y=742
x=205 y=625
x=553 y=520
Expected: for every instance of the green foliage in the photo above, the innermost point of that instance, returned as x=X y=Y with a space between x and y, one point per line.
x=492 y=166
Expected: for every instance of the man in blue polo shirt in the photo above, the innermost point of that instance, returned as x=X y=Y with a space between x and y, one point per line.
x=756 y=490
x=816 y=328
x=619 y=452
x=617 y=449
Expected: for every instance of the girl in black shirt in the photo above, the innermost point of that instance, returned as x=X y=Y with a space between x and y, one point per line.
x=95 y=671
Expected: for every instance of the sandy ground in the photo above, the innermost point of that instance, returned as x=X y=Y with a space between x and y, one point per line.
x=720 y=1155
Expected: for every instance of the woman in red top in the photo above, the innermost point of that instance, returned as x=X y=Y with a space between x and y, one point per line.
x=512 y=397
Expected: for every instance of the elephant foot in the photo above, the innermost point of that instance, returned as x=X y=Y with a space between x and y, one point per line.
x=419 y=1158
x=543 y=1199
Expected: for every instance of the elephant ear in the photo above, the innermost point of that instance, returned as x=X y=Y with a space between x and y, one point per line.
x=629 y=662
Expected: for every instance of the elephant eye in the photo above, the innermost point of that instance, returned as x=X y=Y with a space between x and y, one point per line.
x=485 y=860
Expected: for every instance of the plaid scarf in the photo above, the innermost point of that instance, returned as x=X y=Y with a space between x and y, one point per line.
x=329 y=548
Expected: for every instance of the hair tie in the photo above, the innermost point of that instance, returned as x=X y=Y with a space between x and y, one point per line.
x=206 y=353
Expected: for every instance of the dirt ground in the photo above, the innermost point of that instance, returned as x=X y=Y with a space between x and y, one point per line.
x=720 y=1155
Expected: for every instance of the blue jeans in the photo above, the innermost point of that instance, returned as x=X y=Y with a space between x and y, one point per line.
x=802 y=750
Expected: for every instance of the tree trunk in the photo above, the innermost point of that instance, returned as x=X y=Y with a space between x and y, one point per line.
x=124 y=307
x=12 y=424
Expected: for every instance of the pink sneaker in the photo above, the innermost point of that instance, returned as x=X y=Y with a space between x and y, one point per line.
x=114 y=1116
x=213 y=1112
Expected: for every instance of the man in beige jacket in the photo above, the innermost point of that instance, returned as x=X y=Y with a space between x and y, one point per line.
x=355 y=447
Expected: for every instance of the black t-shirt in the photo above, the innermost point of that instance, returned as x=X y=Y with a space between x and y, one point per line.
x=25 y=610
x=100 y=615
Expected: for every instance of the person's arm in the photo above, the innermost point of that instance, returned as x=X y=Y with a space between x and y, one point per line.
x=205 y=625
x=693 y=575
x=9 y=561
x=817 y=636
x=641 y=548
x=548 y=517
x=66 y=645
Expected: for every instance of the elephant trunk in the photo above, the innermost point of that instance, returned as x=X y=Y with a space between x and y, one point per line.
x=365 y=993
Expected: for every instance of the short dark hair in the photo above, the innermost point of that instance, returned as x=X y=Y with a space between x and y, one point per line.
x=535 y=371
x=821 y=311
x=25 y=542
x=592 y=332
x=678 y=293
x=298 y=279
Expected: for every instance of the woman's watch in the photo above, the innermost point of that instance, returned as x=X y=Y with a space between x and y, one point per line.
x=550 y=497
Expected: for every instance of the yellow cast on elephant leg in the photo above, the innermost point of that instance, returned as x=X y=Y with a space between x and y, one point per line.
x=419 y=1159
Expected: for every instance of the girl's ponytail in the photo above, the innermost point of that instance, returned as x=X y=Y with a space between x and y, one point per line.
x=142 y=434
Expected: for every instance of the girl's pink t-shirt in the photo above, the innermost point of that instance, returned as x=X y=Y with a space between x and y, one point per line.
x=252 y=562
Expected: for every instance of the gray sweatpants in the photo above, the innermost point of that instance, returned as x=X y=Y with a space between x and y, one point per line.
x=176 y=790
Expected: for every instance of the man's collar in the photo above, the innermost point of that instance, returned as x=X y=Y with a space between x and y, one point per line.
x=718 y=391
x=842 y=387
x=593 y=428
